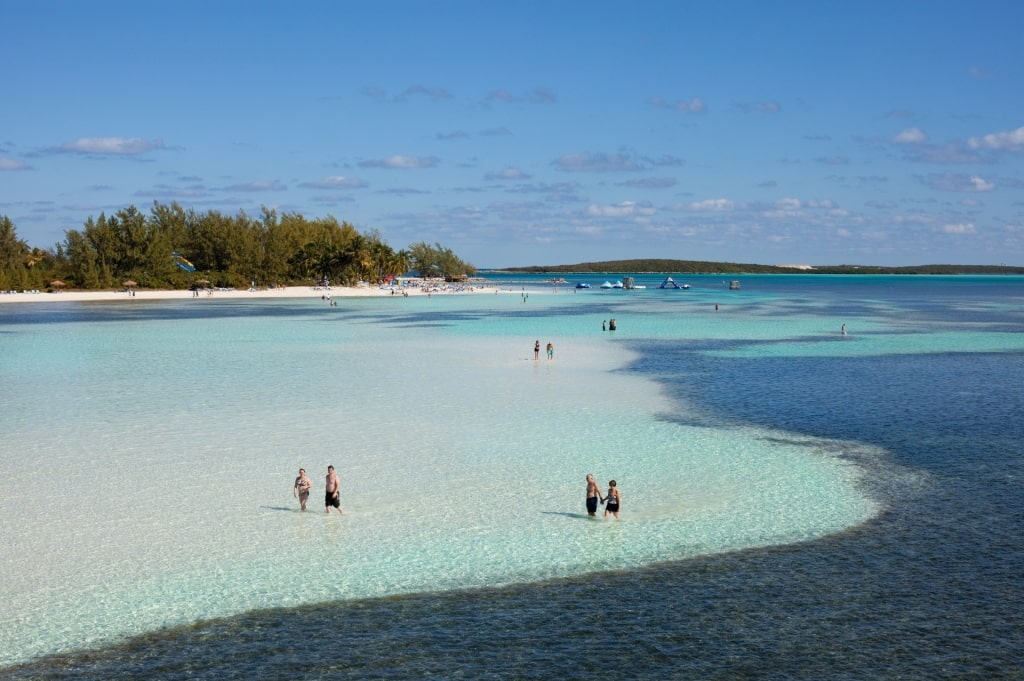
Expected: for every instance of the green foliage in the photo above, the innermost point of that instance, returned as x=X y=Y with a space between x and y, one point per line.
x=226 y=250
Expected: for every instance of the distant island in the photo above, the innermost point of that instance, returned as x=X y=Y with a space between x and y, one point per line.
x=664 y=266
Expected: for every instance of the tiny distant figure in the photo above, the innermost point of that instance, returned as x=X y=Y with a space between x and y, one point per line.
x=301 y=488
x=611 y=325
x=604 y=322
x=332 y=493
x=843 y=330
x=536 y=350
x=612 y=500
x=593 y=496
x=716 y=307
x=551 y=351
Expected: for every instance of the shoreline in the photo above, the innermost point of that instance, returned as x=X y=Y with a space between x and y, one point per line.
x=425 y=288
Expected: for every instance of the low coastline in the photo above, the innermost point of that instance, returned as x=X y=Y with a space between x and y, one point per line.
x=417 y=288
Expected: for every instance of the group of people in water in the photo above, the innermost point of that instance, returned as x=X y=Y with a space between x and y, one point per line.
x=611 y=501
x=332 y=494
x=332 y=490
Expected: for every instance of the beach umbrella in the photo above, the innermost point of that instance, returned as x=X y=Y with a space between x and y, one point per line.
x=128 y=284
x=57 y=283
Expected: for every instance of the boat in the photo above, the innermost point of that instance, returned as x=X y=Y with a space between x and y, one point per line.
x=734 y=285
x=685 y=286
x=618 y=284
x=583 y=284
x=606 y=284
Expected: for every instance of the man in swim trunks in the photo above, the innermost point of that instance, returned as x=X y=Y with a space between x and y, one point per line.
x=332 y=493
x=301 y=488
x=593 y=495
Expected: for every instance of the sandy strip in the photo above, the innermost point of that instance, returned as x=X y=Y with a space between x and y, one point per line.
x=250 y=294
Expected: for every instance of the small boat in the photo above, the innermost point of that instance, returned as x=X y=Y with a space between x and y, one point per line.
x=686 y=286
x=583 y=284
x=606 y=284
x=734 y=285
x=617 y=284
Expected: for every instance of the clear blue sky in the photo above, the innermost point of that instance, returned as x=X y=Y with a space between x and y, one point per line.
x=520 y=133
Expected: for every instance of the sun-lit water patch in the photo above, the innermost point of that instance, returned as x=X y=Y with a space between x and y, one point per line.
x=154 y=461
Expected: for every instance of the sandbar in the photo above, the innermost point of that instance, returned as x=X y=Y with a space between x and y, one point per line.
x=418 y=288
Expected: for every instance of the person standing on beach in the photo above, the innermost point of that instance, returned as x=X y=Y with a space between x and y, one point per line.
x=551 y=351
x=536 y=349
x=612 y=501
x=593 y=495
x=332 y=493
x=301 y=488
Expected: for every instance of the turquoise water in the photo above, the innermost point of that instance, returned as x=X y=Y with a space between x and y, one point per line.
x=150 y=449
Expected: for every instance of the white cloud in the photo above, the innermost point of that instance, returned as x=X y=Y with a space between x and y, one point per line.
x=950 y=182
x=599 y=162
x=11 y=164
x=1012 y=140
x=507 y=174
x=335 y=182
x=910 y=136
x=620 y=210
x=119 y=146
x=695 y=105
x=788 y=204
x=257 y=186
x=981 y=185
x=712 y=205
x=962 y=228
x=398 y=161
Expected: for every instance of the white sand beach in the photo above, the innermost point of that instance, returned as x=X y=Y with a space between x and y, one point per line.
x=417 y=288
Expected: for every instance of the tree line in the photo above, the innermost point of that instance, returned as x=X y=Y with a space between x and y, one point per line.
x=666 y=266
x=175 y=248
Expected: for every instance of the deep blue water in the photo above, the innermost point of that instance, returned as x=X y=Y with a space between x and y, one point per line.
x=931 y=589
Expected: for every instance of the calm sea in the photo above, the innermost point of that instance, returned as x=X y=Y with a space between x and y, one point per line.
x=798 y=503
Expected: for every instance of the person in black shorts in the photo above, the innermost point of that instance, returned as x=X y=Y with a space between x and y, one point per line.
x=593 y=495
x=612 y=501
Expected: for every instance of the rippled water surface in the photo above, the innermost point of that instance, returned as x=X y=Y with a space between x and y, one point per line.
x=796 y=503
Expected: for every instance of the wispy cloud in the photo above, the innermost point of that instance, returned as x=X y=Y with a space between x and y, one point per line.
x=959 y=228
x=694 y=106
x=598 y=162
x=534 y=96
x=417 y=90
x=401 y=162
x=650 y=183
x=507 y=174
x=11 y=164
x=620 y=210
x=435 y=93
x=257 y=186
x=110 y=146
x=335 y=182
x=951 y=182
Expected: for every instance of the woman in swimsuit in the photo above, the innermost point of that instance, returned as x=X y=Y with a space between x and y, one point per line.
x=301 y=488
x=612 y=500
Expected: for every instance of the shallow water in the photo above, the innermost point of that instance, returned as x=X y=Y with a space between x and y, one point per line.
x=717 y=446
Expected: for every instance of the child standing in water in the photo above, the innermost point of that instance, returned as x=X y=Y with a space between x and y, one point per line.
x=612 y=500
